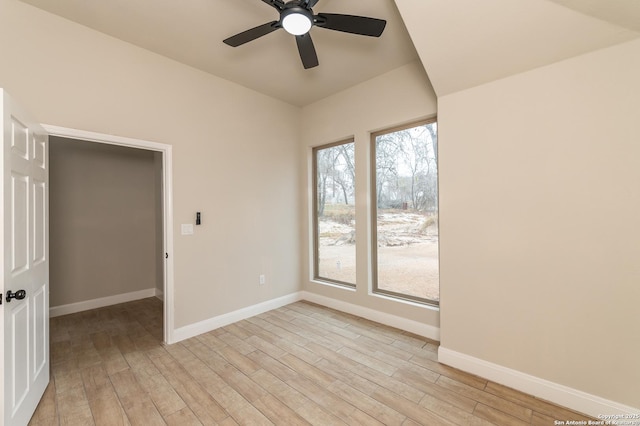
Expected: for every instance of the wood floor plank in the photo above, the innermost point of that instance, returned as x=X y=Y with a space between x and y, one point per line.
x=367 y=404
x=435 y=390
x=280 y=389
x=208 y=357
x=283 y=313
x=113 y=360
x=239 y=360
x=452 y=373
x=293 y=332
x=124 y=343
x=47 y=410
x=242 y=384
x=278 y=412
x=96 y=382
x=360 y=328
x=325 y=328
x=372 y=345
x=411 y=422
x=211 y=341
x=451 y=412
x=412 y=348
x=317 y=416
x=498 y=417
x=324 y=399
x=101 y=340
x=136 y=403
x=228 y=422
x=273 y=365
x=267 y=347
x=192 y=393
x=239 y=332
x=415 y=376
x=369 y=361
x=258 y=331
x=289 y=342
x=239 y=408
x=409 y=408
x=67 y=376
x=307 y=370
x=73 y=407
x=298 y=351
x=107 y=411
x=236 y=343
x=371 y=374
x=538 y=405
x=301 y=364
x=206 y=377
x=518 y=411
x=163 y=395
x=539 y=419
x=138 y=360
x=60 y=351
x=348 y=377
x=183 y=417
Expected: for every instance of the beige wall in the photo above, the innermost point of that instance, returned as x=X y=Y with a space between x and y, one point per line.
x=159 y=231
x=395 y=98
x=103 y=221
x=539 y=234
x=235 y=151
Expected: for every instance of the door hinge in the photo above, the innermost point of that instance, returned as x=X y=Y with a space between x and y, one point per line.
x=0 y=298
x=166 y=255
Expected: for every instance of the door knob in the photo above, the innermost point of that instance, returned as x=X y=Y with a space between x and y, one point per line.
x=18 y=295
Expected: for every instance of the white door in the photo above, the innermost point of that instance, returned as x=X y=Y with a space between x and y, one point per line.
x=24 y=211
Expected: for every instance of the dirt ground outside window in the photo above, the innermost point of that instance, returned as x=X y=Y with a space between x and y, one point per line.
x=407 y=253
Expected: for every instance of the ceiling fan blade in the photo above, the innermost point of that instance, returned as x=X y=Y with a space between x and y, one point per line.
x=252 y=34
x=311 y=3
x=361 y=25
x=307 y=51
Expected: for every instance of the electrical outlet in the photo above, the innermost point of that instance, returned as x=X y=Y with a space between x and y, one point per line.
x=263 y=279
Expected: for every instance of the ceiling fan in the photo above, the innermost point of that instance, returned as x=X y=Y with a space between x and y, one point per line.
x=297 y=18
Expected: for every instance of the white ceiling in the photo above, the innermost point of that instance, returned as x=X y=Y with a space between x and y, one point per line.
x=624 y=13
x=472 y=42
x=461 y=43
x=191 y=32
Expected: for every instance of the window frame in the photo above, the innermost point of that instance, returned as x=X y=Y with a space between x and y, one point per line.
x=374 y=216
x=316 y=238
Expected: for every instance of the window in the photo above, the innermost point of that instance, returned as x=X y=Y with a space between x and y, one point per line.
x=334 y=213
x=405 y=212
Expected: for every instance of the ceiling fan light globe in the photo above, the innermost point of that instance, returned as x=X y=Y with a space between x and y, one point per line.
x=296 y=23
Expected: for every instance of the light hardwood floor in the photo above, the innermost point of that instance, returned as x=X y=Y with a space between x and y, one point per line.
x=297 y=365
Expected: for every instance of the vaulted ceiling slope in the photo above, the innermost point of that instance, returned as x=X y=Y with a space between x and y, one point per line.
x=461 y=43
x=191 y=32
x=465 y=43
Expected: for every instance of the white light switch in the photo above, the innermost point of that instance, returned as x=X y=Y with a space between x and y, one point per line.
x=187 y=229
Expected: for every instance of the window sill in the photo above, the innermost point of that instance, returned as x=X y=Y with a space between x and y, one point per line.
x=335 y=285
x=425 y=305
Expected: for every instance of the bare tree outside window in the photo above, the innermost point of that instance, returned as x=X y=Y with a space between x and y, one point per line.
x=335 y=222
x=406 y=212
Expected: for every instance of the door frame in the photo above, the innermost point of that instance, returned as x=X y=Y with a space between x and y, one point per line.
x=167 y=197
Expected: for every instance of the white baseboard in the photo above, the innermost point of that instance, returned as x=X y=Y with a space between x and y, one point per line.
x=207 y=325
x=159 y=294
x=415 y=327
x=559 y=394
x=72 y=308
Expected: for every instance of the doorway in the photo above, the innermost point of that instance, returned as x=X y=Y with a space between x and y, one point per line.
x=158 y=157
